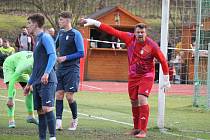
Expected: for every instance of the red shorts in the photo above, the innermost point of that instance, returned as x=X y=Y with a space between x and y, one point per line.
x=141 y=86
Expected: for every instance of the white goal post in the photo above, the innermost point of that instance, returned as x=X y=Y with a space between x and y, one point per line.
x=163 y=47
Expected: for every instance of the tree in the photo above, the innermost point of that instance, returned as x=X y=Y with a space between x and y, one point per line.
x=51 y=8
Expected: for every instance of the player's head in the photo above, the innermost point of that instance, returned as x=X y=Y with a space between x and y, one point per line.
x=35 y=21
x=140 y=32
x=64 y=19
x=24 y=30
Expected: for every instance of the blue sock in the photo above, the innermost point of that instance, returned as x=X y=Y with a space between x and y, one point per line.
x=51 y=123
x=42 y=126
x=59 y=109
x=73 y=107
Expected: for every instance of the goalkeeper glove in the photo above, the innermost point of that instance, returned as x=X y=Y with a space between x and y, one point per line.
x=89 y=22
x=166 y=83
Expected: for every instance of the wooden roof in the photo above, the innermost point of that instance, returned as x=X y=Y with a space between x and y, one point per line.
x=103 y=13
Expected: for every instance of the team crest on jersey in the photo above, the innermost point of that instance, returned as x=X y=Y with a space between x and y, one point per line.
x=67 y=37
x=141 y=51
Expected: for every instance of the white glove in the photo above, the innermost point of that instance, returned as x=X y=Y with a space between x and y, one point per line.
x=89 y=22
x=166 y=83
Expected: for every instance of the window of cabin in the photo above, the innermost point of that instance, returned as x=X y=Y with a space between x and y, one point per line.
x=104 y=40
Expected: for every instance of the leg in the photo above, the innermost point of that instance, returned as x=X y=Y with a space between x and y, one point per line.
x=134 y=107
x=30 y=108
x=59 y=109
x=71 y=83
x=28 y=102
x=73 y=107
x=145 y=87
x=50 y=120
x=48 y=98
x=42 y=124
x=11 y=112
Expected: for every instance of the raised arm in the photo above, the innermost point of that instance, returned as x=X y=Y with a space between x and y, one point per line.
x=124 y=36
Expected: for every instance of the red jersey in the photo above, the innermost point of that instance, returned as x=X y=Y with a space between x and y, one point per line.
x=140 y=55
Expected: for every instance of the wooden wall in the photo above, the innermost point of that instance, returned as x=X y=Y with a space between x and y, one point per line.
x=107 y=64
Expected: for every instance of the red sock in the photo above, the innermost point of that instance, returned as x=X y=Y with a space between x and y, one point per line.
x=135 y=112
x=143 y=117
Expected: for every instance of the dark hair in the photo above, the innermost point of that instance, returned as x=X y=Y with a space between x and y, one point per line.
x=38 y=18
x=65 y=14
x=23 y=27
x=141 y=26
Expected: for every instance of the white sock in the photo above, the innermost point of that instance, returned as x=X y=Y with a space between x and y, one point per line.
x=52 y=138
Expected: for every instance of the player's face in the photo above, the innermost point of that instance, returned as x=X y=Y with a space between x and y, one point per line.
x=31 y=27
x=63 y=22
x=140 y=34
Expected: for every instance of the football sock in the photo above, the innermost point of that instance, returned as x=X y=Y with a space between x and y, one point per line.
x=51 y=123
x=29 y=104
x=143 y=115
x=42 y=126
x=135 y=112
x=59 y=109
x=11 y=111
x=73 y=107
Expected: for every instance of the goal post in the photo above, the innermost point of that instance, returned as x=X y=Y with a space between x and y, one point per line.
x=163 y=47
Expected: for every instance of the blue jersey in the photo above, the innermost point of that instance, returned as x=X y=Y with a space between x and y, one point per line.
x=44 y=59
x=71 y=45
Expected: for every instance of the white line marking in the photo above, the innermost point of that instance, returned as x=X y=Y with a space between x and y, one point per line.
x=119 y=122
x=91 y=86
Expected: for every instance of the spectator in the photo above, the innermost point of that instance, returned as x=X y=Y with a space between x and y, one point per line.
x=5 y=51
x=24 y=41
x=51 y=31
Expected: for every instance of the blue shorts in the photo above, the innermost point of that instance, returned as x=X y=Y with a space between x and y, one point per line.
x=44 y=95
x=68 y=80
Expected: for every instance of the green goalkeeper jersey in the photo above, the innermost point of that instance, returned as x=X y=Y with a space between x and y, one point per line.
x=17 y=68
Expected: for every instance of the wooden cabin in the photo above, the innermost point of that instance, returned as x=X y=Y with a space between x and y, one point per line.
x=188 y=37
x=107 y=60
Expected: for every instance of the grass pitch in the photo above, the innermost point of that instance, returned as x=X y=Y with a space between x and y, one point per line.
x=106 y=116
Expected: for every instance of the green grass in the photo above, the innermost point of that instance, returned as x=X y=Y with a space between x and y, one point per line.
x=181 y=119
x=11 y=22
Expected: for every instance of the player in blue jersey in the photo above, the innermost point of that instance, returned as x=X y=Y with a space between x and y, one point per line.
x=43 y=77
x=71 y=49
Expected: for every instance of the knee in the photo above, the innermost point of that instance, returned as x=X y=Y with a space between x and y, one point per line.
x=134 y=103
x=142 y=100
x=47 y=109
x=40 y=111
x=70 y=97
x=59 y=95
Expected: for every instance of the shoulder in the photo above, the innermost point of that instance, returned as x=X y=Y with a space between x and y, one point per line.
x=152 y=43
x=76 y=32
x=47 y=36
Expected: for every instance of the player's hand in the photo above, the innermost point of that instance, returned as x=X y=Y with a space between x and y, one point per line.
x=10 y=103
x=89 y=22
x=27 y=89
x=44 y=78
x=61 y=59
x=166 y=83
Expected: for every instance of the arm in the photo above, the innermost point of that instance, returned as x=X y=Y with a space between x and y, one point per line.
x=161 y=58
x=50 y=49
x=108 y=29
x=80 y=47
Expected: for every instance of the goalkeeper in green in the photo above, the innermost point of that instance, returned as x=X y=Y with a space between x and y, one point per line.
x=17 y=68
